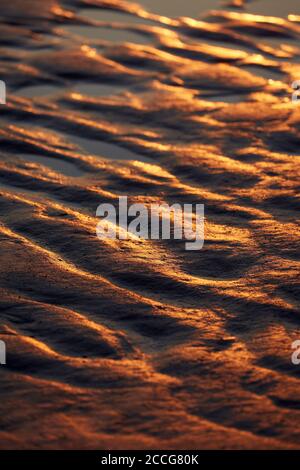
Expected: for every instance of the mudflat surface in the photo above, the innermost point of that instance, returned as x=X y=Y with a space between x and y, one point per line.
x=142 y=344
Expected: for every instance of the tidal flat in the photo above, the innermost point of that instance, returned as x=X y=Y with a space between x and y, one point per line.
x=140 y=344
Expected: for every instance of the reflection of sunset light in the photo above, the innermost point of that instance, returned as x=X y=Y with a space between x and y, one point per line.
x=76 y=96
x=58 y=11
x=89 y=51
x=294 y=18
x=254 y=18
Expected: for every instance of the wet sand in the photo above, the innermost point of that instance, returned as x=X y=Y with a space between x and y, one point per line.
x=140 y=344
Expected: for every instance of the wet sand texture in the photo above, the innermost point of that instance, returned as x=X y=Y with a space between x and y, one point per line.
x=141 y=344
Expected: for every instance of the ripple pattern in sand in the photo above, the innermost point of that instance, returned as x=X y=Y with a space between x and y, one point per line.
x=130 y=344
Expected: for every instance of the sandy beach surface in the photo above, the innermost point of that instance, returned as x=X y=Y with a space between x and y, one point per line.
x=140 y=344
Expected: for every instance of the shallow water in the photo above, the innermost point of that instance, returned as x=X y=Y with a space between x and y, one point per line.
x=139 y=343
x=175 y=8
x=275 y=7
